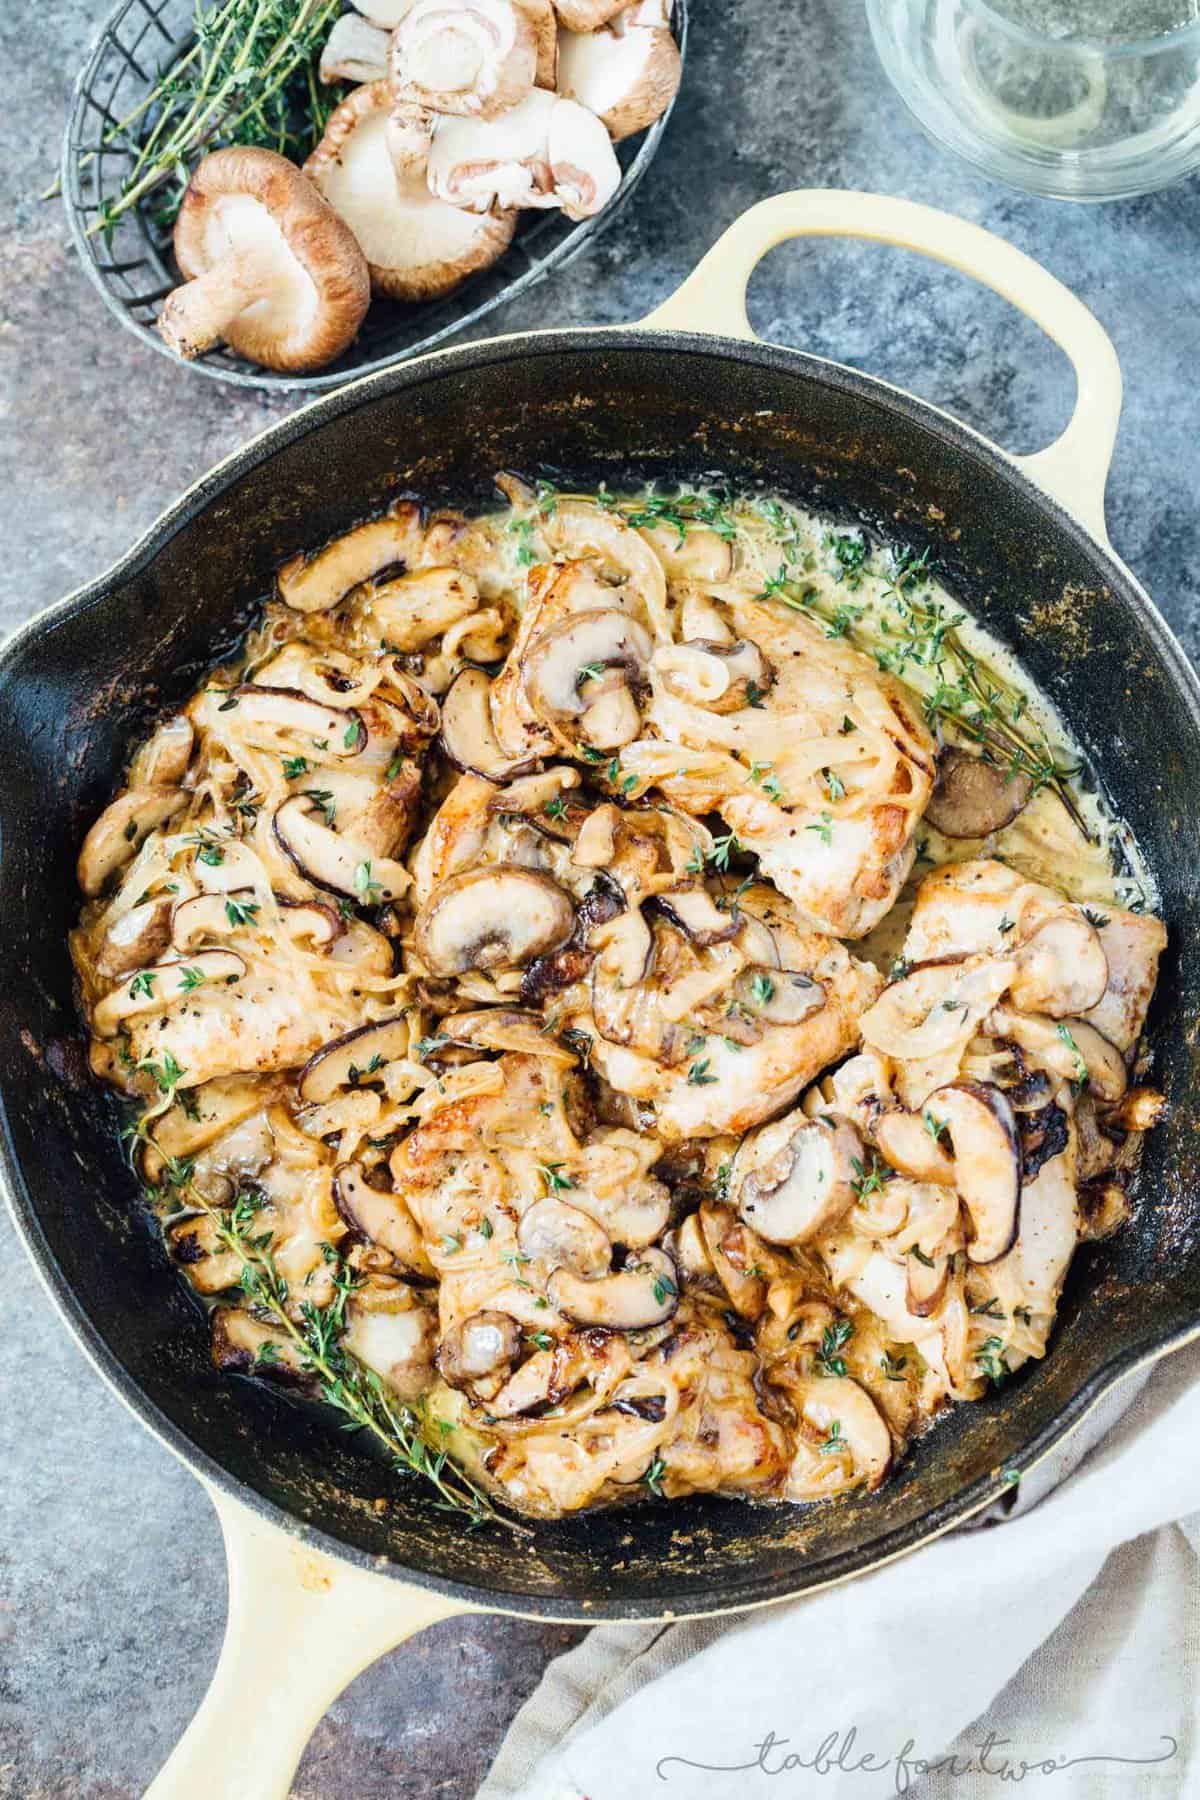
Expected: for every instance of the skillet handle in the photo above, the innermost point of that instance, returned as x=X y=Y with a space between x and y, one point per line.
x=1074 y=468
x=301 y=1626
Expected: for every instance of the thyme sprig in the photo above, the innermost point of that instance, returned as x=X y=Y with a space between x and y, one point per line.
x=318 y=1338
x=249 y=78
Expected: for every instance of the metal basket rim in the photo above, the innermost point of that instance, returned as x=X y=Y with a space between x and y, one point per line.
x=578 y=239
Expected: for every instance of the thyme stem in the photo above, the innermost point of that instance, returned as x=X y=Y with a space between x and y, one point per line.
x=345 y=1382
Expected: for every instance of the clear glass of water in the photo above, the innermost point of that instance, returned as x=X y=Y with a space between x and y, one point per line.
x=1077 y=99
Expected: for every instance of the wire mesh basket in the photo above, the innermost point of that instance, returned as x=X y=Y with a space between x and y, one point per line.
x=132 y=265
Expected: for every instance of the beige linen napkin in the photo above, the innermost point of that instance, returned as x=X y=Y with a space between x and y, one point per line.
x=1058 y=1650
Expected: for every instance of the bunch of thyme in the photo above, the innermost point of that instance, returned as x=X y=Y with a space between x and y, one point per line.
x=318 y=1339
x=250 y=77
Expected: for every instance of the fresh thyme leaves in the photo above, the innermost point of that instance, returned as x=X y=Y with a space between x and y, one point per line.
x=317 y=1340
x=250 y=77
x=722 y=1178
x=723 y=848
x=849 y=555
x=834 y=1339
x=1097 y=920
x=835 y=784
x=893 y=1366
x=294 y=767
x=916 y=637
x=364 y=886
x=142 y=985
x=835 y=1442
x=698 y=1075
x=762 y=990
x=425 y=1047
x=1081 y=1077
x=241 y=912
x=990 y=1360
x=555 y=1180
x=824 y=828
x=522 y=530
x=653 y=1477
x=868 y=1180
x=323 y=798
x=191 y=979
x=663 y=1289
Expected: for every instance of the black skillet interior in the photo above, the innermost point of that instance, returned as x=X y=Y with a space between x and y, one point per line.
x=624 y=408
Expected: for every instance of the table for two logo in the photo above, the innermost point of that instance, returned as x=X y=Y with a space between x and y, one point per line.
x=839 y=1753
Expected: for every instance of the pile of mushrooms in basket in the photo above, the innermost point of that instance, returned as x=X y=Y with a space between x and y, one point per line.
x=465 y=112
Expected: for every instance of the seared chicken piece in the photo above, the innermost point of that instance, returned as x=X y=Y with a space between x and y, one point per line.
x=717 y=1036
x=822 y=769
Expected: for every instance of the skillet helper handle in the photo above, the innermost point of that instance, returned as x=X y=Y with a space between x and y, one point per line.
x=1073 y=469
x=301 y=1627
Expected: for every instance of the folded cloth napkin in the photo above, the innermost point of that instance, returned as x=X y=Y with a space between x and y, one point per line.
x=1058 y=1650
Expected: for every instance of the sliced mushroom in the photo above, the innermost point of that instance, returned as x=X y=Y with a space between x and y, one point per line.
x=1061 y=969
x=355 y=50
x=973 y=797
x=270 y=267
x=383 y=1219
x=240 y=1347
x=507 y=1028
x=208 y=916
x=585 y=660
x=644 y=1293
x=565 y=1238
x=694 y=912
x=779 y=996
x=310 y=922
x=412 y=609
x=163 y=759
x=794 y=1178
x=345 y=1060
x=499 y=916
x=725 y=1239
x=416 y=245
x=162 y=985
x=716 y=676
x=911 y=1143
x=579 y=530
x=468 y=736
x=486 y=1343
x=935 y=1007
x=925 y=1283
x=332 y=860
x=316 y=583
x=1069 y=1048
x=690 y=1251
x=270 y=716
x=840 y=1410
x=595 y=846
x=476 y=58
x=136 y=938
x=701 y=556
x=987 y=1162
x=121 y=830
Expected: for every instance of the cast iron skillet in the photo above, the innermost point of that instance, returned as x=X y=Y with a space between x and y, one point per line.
x=624 y=406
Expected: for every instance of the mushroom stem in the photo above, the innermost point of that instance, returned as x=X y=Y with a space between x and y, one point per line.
x=195 y=316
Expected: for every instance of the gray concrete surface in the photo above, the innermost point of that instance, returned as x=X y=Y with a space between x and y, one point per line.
x=113 y=1593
